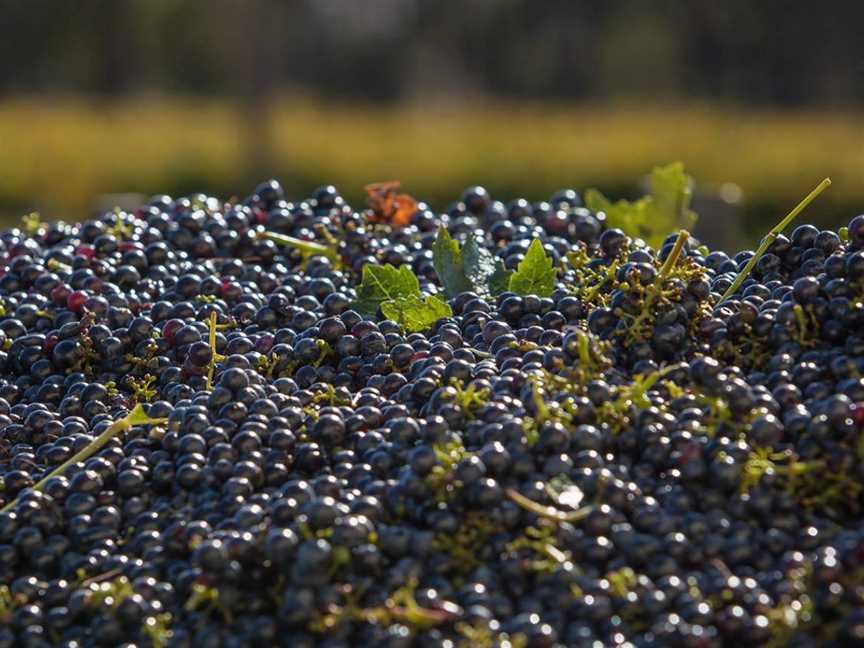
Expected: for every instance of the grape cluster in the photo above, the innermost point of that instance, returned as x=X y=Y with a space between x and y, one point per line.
x=203 y=443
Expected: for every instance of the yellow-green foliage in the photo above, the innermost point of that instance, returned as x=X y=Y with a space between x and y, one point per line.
x=57 y=154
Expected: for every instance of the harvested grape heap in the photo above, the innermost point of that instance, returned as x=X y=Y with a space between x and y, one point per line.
x=567 y=423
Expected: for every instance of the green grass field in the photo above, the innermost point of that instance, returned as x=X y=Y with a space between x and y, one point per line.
x=59 y=154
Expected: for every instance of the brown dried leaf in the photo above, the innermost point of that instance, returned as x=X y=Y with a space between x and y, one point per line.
x=406 y=207
x=386 y=206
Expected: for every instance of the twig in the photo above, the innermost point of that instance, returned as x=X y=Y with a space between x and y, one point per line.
x=136 y=417
x=674 y=254
x=547 y=512
x=772 y=236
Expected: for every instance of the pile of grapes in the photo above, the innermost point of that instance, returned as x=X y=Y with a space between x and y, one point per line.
x=273 y=423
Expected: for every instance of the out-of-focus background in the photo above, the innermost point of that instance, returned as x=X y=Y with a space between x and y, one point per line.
x=760 y=100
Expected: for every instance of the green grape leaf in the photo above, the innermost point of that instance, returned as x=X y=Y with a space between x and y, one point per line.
x=478 y=264
x=416 y=313
x=447 y=260
x=671 y=193
x=381 y=283
x=535 y=274
x=597 y=202
x=670 y=189
x=499 y=281
x=623 y=214
x=652 y=217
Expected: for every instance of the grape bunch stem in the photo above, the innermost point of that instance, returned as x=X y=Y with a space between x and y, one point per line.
x=772 y=236
x=136 y=417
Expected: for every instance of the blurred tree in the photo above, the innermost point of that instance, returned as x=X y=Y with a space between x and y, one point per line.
x=111 y=28
x=253 y=38
x=770 y=52
x=646 y=62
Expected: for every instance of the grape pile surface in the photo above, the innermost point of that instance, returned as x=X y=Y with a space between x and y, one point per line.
x=245 y=459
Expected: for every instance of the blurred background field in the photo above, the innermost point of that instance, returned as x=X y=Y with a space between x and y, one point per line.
x=107 y=97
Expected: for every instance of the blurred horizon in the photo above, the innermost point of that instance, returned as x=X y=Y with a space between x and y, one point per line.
x=109 y=97
x=770 y=53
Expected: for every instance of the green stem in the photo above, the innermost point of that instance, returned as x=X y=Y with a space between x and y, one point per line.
x=653 y=377
x=306 y=248
x=551 y=551
x=584 y=350
x=674 y=255
x=547 y=512
x=136 y=417
x=772 y=236
x=802 y=321
x=655 y=291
